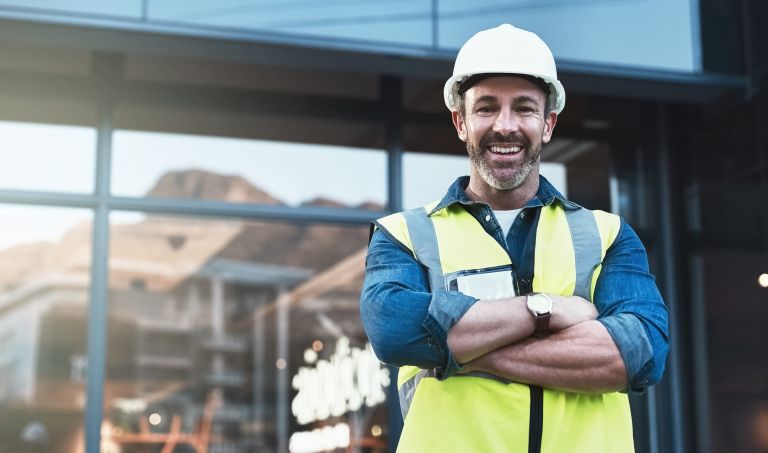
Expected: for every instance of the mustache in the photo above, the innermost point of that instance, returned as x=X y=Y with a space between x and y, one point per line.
x=514 y=138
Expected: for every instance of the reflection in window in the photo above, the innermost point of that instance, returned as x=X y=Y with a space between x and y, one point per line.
x=247 y=171
x=406 y=22
x=31 y=150
x=44 y=287
x=671 y=34
x=411 y=23
x=243 y=336
x=128 y=8
x=736 y=346
x=426 y=177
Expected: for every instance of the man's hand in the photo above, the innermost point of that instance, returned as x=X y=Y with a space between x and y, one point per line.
x=570 y=310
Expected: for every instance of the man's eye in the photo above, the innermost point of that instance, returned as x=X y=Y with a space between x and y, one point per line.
x=485 y=109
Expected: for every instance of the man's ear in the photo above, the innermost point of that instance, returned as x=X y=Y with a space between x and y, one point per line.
x=549 y=127
x=460 y=125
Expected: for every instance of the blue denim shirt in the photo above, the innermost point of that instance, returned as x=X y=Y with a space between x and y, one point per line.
x=408 y=325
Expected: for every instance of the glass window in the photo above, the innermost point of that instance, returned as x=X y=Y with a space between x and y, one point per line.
x=581 y=170
x=604 y=32
x=239 y=336
x=442 y=171
x=131 y=8
x=45 y=258
x=33 y=154
x=732 y=305
x=407 y=22
x=149 y=164
x=609 y=32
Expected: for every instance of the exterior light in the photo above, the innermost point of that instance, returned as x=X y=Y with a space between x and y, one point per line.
x=155 y=419
x=310 y=356
x=348 y=380
x=280 y=364
x=763 y=280
x=320 y=439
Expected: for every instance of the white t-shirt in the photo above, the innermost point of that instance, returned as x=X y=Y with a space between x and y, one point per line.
x=506 y=219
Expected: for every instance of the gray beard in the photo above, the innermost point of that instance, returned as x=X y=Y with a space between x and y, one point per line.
x=518 y=177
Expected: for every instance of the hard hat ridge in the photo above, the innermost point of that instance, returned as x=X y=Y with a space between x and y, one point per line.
x=505 y=50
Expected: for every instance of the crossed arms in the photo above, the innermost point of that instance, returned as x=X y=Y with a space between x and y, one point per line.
x=618 y=343
x=579 y=356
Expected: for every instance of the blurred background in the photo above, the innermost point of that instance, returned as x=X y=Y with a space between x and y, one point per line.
x=186 y=189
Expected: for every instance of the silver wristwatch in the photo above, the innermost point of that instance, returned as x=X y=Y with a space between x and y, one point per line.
x=540 y=306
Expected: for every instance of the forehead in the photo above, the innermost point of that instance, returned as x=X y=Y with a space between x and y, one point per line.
x=505 y=88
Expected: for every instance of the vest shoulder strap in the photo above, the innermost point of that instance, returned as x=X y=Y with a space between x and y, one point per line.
x=574 y=235
x=414 y=229
x=425 y=247
x=395 y=227
x=609 y=225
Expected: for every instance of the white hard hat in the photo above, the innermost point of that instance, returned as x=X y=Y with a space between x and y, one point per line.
x=505 y=50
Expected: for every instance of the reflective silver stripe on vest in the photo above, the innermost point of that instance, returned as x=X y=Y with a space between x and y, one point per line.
x=424 y=240
x=587 y=248
x=408 y=389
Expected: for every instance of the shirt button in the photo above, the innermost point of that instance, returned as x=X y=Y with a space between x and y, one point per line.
x=522 y=214
x=488 y=218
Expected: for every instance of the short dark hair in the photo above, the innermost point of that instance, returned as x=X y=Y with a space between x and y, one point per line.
x=470 y=81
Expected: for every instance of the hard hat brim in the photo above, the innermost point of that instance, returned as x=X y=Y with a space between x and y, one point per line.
x=556 y=97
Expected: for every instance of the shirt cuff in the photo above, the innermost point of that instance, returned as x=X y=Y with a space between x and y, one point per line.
x=634 y=346
x=445 y=310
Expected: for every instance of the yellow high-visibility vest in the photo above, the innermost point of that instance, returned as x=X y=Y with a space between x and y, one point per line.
x=482 y=414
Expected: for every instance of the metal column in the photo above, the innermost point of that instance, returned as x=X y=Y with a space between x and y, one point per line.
x=669 y=278
x=97 y=314
x=283 y=372
x=391 y=95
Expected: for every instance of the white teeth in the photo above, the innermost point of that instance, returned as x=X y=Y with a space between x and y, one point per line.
x=506 y=150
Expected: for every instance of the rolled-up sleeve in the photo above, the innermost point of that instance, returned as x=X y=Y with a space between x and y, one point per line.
x=405 y=322
x=632 y=310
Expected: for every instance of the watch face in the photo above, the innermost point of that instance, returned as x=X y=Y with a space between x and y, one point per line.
x=539 y=303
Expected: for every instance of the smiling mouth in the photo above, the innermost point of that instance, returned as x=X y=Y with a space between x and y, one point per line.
x=511 y=149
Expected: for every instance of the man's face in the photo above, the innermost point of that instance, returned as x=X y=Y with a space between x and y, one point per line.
x=504 y=127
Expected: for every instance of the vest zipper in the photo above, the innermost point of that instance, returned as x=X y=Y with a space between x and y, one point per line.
x=536 y=419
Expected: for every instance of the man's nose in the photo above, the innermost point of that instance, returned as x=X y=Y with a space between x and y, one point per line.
x=506 y=122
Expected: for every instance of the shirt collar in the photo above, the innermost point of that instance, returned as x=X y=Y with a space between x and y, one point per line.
x=545 y=196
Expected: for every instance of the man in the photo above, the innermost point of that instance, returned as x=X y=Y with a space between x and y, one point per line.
x=519 y=319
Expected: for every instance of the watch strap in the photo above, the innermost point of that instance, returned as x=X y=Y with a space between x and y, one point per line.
x=542 y=324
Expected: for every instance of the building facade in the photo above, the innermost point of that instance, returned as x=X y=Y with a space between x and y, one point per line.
x=186 y=189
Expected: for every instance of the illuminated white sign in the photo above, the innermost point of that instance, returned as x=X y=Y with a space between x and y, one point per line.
x=321 y=439
x=349 y=379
